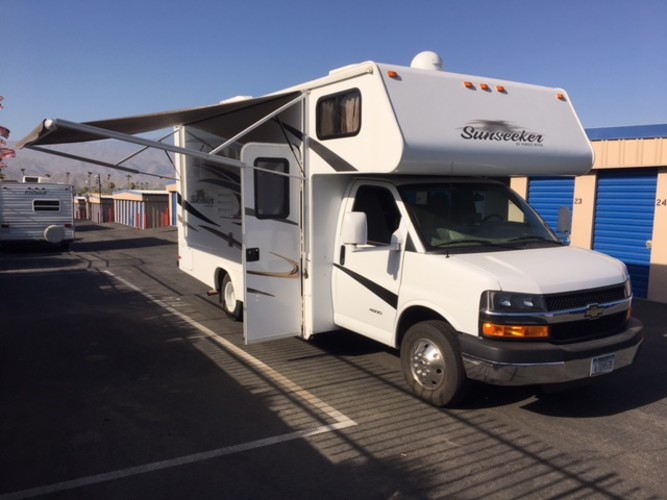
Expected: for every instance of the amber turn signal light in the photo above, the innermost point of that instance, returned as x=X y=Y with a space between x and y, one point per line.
x=515 y=331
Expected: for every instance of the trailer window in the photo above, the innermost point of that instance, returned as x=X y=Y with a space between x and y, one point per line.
x=45 y=205
x=339 y=115
x=271 y=190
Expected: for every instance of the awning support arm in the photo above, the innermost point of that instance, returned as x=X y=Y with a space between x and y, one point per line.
x=258 y=124
x=145 y=148
x=94 y=161
x=112 y=134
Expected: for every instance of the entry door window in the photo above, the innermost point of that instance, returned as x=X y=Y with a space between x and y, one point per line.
x=271 y=190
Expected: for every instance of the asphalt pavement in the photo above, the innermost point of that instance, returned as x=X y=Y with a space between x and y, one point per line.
x=121 y=378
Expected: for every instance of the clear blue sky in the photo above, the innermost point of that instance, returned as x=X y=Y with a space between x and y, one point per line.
x=84 y=60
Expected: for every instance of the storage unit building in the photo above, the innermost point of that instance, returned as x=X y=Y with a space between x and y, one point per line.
x=172 y=189
x=80 y=208
x=547 y=195
x=101 y=208
x=142 y=209
x=620 y=207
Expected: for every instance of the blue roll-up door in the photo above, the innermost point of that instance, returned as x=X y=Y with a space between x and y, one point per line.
x=547 y=195
x=624 y=212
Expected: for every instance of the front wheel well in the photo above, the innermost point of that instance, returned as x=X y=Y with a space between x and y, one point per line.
x=412 y=316
x=219 y=275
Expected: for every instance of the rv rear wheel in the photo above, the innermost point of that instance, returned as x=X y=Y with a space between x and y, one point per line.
x=431 y=362
x=232 y=307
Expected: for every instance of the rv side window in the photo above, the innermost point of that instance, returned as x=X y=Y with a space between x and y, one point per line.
x=45 y=205
x=271 y=190
x=339 y=115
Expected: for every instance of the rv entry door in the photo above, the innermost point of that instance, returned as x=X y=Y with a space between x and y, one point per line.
x=271 y=183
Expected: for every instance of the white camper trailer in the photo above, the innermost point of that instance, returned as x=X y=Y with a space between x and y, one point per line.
x=366 y=200
x=36 y=211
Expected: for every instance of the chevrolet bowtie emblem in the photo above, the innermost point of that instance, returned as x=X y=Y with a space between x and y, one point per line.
x=594 y=311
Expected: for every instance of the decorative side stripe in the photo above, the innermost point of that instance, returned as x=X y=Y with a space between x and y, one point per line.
x=386 y=295
x=292 y=273
x=224 y=236
x=259 y=292
x=335 y=161
x=250 y=212
x=189 y=208
x=231 y=185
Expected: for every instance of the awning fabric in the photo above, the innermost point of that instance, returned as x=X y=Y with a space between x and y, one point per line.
x=206 y=117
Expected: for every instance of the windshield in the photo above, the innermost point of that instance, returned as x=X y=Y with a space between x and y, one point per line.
x=474 y=216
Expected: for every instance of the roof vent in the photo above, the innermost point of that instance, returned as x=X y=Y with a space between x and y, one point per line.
x=427 y=60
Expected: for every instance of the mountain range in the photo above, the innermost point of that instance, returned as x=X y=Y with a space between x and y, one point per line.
x=157 y=168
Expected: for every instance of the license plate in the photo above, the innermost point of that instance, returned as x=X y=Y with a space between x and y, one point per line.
x=602 y=364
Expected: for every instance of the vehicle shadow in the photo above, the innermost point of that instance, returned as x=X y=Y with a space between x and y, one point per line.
x=346 y=343
x=83 y=227
x=643 y=383
x=118 y=244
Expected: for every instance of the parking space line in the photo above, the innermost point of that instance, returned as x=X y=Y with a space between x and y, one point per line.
x=245 y=356
x=175 y=462
x=341 y=421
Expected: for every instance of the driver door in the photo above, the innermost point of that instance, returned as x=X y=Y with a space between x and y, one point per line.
x=367 y=278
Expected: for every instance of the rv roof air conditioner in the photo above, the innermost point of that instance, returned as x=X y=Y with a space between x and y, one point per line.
x=427 y=60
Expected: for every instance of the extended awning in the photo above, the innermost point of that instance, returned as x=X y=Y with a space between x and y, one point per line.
x=231 y=120
x=131 y=125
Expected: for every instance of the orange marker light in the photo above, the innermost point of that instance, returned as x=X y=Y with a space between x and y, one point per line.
x=468 y=85
x=515 y=331
x=560 y=96
x=484 y=86
x=392 y=74
x=501 y=89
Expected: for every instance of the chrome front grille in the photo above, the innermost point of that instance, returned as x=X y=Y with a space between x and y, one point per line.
x=586 y=328
x=575 y=300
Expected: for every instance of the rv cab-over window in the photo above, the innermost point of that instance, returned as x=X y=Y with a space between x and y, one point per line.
x=339 y=115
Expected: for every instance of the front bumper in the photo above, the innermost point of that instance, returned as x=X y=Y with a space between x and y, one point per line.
x=527 y=363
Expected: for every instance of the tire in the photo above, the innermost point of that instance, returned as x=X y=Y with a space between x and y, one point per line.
x=230 y=304
x=431 y=362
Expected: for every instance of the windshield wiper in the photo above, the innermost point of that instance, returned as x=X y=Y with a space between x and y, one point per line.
x=527 y=239
x=471 y=241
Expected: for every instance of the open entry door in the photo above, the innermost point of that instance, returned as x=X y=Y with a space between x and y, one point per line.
x=271 y=182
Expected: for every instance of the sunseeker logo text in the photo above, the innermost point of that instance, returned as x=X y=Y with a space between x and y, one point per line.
x=501 y=131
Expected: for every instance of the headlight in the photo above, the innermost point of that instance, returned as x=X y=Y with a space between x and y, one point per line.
x=507 y=302
x=502 y=315
x=628 y=289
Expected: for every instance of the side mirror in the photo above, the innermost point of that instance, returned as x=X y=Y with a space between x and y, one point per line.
x=564 y=220
x=355 y=229
x=396 y=241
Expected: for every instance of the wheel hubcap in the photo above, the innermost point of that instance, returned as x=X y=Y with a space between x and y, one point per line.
x=230 y=296
x=427 y=364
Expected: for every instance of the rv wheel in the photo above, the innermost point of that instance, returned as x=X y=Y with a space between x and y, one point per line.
x=431 y=362
x=232 y=307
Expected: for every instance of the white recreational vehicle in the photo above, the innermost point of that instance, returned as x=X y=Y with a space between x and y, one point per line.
x=374 y=200
x=36 y=210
